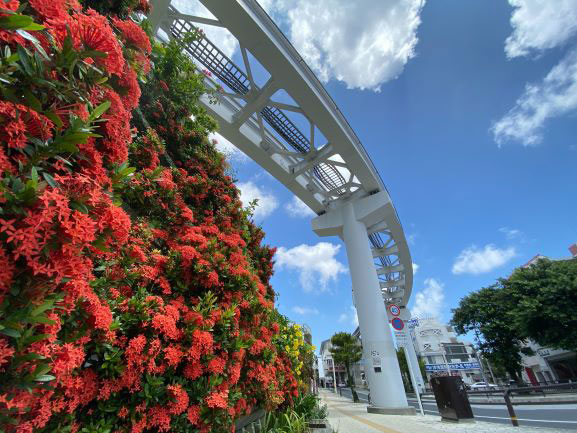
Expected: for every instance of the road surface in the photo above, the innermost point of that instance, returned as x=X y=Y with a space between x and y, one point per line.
x=535 y=415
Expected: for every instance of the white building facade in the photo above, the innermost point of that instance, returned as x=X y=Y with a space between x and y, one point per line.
x=549 y=366
x=328 y=367
x=437 y=344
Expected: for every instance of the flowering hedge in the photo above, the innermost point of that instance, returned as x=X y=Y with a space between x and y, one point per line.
x=134 y=289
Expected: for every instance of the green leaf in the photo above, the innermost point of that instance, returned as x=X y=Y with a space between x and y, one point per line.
x=33 y=101
x=51 y=181
x=41 y=319
x=42 y=308
x=34 y=174
x=100 y=110
x=13 y=22
x=35 y=338
x=55 y=119
x=10 y=332
x=44 y=378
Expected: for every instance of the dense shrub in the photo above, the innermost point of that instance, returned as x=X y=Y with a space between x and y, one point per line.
x=134 y=289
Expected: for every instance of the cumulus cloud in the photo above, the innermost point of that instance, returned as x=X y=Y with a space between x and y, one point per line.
x=429 y=300
x=474 y=260
x=556 y=95
x=316 y=264
x=362 y=43
x=540 y=25
x=350 y=317
x=232 y=152
x=305 y=311
x=415 y=268
x=298 y=209
x=267 y=202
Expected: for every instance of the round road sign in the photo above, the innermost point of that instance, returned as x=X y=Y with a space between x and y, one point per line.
x=398 y=324
x=394 y=310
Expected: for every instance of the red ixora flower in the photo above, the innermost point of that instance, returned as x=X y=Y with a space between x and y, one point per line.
x=217 y=400
x=91 y=32
x=55 y=8
x=132 y=34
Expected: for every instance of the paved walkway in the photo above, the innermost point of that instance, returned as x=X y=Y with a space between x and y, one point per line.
x=348 y=417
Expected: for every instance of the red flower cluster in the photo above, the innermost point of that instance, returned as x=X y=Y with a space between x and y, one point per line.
x=131 y=280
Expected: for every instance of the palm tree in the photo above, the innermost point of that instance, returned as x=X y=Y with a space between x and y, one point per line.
x=346 y=350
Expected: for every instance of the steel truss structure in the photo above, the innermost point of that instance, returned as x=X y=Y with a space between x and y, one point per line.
x=322 y=174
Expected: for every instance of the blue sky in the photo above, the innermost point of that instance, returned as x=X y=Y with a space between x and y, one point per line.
x=468 y=111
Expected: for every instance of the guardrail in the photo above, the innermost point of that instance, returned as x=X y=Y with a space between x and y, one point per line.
x=507 y=395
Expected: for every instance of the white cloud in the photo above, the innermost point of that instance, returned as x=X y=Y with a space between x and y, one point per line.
x=415 y=268
x=473 y=260
x=298 y=209
x=429 y=300
x=220 y=36
x=350 y=317
x=362 y=43
x=511 y=233
x=305 y=311
x=556 y=95
x=232 y=152
x=267 y=202
x=316 y=264
x=540 y=25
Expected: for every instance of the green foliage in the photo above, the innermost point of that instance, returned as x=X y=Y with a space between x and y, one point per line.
x=310 y=407
x=537 y=302
x=487 y=313
x=405 y=373
x=294 y=420
x=543 y=302
x=346 y=351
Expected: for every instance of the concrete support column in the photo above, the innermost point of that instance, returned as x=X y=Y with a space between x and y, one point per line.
x=386 y=385
x=350 y=221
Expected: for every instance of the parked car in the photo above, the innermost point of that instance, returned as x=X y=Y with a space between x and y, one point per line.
x=483 y=386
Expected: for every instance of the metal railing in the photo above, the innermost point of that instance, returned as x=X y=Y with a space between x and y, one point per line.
x=521 y=390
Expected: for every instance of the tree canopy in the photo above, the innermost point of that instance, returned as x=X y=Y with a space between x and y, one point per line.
x=346 y=350
x=543 y=300
x=486 y=313
x=537 y=302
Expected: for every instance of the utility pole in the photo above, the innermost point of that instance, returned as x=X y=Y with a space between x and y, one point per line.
x=413 y=378
x=481 y=365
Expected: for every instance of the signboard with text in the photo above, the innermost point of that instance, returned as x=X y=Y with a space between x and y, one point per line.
x=453 y=366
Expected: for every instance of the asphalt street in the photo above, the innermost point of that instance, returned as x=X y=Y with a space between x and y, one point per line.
x=535 y=415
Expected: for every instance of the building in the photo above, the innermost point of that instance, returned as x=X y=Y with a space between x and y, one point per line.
x=438 y=345
x=328 y=366
x=548 y=365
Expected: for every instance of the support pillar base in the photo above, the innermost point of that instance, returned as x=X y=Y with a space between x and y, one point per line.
x=409 y=410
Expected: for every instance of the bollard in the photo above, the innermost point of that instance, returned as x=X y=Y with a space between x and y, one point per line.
x=510 y=408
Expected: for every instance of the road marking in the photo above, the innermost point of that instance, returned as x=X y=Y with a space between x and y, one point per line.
x=362 y=420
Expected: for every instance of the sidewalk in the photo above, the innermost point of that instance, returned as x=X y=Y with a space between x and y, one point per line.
x=348 y=417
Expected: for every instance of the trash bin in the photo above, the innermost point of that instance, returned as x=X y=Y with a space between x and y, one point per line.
x=452 y=400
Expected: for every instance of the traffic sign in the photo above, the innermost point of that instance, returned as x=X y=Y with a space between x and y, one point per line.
x=397 y=324
x=394 y=310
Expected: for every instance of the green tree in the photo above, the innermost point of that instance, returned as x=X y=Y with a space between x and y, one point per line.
x=488 y=314
x=544 y=302
x=346 y=350
x=405 y=373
